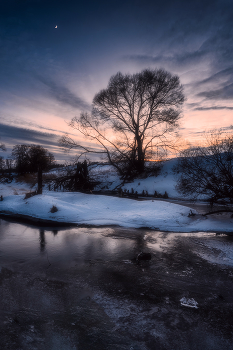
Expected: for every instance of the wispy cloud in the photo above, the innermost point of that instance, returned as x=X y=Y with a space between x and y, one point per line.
x=14 y=135
x=63 y=94
x=212 y=108
x=223 y=74
x=14 y=122
x=49 y=74
x=225 y=93
x=186 y=58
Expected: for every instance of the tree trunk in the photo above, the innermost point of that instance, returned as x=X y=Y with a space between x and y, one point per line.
x=39 y=190
x=140 y=161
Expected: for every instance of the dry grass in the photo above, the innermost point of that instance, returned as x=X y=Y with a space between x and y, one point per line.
x=49 y=177
x=29 y=195
x=30 y=179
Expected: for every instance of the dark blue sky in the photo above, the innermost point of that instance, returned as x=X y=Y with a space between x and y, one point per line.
x=49 y=75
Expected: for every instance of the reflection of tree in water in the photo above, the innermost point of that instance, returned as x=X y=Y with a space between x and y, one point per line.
x=140 y=243
x=55 y=232
x=42 y=240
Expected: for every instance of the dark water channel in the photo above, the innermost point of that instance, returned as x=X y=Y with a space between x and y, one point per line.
x=81 y=288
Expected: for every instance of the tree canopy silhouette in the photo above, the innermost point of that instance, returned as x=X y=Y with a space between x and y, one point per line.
x=29 y=157
x=131 y=120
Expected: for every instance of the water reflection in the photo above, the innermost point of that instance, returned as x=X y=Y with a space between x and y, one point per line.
x=19 y=242
x=42 y=240
x=140 y=243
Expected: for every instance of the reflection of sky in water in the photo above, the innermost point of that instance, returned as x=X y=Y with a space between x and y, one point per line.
x=21 y=243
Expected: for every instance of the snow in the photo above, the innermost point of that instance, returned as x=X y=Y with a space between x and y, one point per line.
x=165 y=181
x=189 y=302
x=80 y=208
x=107 y=176
x=110 y=180
x=14 y=188
x=89 y=209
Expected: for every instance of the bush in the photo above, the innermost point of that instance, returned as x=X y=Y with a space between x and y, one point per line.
x=30 y=179
x=53 y=209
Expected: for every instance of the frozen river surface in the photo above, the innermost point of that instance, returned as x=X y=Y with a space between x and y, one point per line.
x=81 y=288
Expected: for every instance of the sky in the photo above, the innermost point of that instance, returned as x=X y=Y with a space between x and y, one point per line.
x=49 y=75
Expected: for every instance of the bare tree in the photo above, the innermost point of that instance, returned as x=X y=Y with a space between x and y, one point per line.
x=9 y=165
x=73 y=178
x=2 y=161
x=2 y=147
x=2 y=165
x=208 y=171
x=132 y=119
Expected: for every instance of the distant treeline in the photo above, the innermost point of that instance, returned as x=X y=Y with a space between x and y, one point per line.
x=27 y=159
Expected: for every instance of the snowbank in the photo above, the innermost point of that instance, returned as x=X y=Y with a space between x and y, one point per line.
x=14 y=188
x=90 y=209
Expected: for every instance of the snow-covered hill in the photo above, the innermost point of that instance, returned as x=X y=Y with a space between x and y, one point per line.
x=165 y=181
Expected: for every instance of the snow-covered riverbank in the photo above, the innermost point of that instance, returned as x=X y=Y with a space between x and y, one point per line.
x=87 y=209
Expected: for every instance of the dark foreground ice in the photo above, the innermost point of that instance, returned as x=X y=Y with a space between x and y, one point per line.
x=81 y=288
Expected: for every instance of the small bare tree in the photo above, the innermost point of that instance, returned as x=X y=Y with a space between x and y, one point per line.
x=2 y=147
x=208 y=170
x=2 y=161
x=73 y=178
x=2 y=165
x=132 y=119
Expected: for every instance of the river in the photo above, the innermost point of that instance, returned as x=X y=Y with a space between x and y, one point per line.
x=81 y=288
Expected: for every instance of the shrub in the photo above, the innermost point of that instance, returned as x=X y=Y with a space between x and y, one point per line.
x=53 y=209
